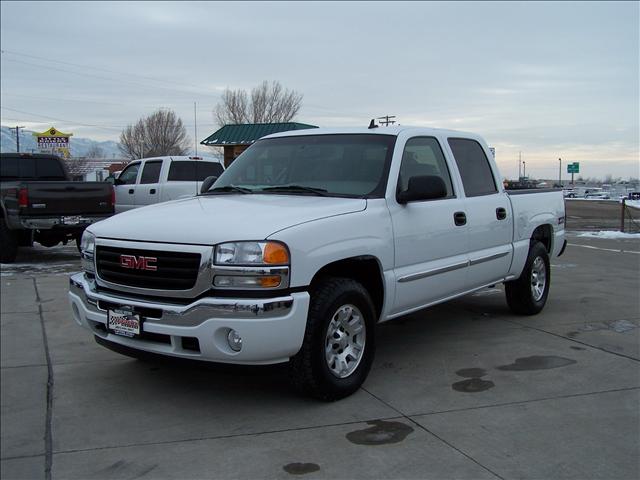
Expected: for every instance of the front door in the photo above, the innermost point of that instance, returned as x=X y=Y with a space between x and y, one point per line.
x=126 y=188
x=430 y=246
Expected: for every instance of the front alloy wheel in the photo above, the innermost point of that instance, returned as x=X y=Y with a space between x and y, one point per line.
x=339 y=341
x=345 y=341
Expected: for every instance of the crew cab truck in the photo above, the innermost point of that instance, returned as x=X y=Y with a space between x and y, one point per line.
x=155 y=180
x=306 y=242
x=38 y=202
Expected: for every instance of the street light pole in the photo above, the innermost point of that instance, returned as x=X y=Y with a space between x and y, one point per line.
x=560 y=173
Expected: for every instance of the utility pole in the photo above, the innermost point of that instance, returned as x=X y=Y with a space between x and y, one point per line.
x=560 y=173
x=524 y=169
x=519 y=166
x=195 y=127
x=386 y=120
x=18 y=138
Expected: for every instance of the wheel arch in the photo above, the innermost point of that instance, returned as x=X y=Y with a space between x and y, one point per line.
x=365 y=269
x=544 y=234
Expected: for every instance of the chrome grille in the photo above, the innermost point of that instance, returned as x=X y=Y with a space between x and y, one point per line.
x=174 y=270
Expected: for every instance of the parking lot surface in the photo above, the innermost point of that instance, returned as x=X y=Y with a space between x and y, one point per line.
x=462 y=390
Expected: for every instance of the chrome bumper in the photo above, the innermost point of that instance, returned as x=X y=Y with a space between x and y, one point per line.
x=64 y=222
x=272 y=329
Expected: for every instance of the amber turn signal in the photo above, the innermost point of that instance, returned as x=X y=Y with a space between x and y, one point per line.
x=275 y=254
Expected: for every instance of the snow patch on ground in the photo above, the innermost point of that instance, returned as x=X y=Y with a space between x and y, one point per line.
x=609 y=235
x=632 y=203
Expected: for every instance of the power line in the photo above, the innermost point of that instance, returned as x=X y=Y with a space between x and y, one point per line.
x=128 y=74
x=84 y=74
x=112 y=127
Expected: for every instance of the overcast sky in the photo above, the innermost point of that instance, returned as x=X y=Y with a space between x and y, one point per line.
x=548 y=79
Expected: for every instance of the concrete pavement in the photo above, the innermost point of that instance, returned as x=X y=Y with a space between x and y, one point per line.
x=462 y=390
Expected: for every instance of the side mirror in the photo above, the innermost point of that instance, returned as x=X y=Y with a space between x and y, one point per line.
x=206 y=185
x=423 y=187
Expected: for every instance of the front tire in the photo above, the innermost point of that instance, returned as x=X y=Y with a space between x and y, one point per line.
x=339 y=342
x=528 y=294
x=8 y=243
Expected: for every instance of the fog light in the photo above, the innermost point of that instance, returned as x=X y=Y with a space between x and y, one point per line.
x=234 y=340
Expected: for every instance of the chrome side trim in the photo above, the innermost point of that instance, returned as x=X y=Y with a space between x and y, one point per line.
x=489 y=258
x=450 y=268
x=435 y=271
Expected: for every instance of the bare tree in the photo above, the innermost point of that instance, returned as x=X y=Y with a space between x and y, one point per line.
x=77 y=167
x=269 y=102
x=95 y=152
x=159 y=134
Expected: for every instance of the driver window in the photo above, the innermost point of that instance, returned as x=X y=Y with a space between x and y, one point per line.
x=129 y=174
x=423 y=156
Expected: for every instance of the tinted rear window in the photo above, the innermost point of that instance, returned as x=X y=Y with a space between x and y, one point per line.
x=473 y=164
x=49 y=169
x=31 y=168
x=185 y=171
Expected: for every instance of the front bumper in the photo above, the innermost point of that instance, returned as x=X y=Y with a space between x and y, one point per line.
x=272 y=329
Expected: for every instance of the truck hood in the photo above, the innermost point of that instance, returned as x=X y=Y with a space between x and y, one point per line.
x=212 y=219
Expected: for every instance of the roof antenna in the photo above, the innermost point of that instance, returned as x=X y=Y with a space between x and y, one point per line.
x=373 y=123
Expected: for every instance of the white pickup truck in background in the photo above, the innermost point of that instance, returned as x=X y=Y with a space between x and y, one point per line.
x=160 y=179
x=306 y=242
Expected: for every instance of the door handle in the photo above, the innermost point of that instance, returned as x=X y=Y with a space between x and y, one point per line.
x=501 y=213
x=131 y=190
x=460 y=218
x=152 y=191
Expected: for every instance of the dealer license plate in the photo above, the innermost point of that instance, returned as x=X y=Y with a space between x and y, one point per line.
x=124 y=323
x=72 y=220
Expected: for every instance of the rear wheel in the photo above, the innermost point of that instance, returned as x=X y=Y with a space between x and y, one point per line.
x=339 y=342
x=528 y=294
x=8 y=243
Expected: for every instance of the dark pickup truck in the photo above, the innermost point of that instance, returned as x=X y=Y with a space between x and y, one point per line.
x=39 y=203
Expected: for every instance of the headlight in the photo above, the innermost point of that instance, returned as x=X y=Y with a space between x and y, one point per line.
x=87 y=248
x=251 y=266
x=252 y=253
x=88 y=242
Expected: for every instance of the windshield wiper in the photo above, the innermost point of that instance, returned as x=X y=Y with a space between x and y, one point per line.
x=296 y=188
x=229 y=188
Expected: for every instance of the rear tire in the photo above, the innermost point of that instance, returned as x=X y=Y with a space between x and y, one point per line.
x=339 y=341
x=528 y=294
x=8 y=243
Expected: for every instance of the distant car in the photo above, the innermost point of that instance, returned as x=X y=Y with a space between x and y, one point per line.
x=160 y=179
x=598 y=196
x=567 y=194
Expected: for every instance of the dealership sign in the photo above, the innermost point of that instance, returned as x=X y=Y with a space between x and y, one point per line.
x=53 y=141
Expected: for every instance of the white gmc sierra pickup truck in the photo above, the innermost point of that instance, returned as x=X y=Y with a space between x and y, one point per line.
x=306 y=242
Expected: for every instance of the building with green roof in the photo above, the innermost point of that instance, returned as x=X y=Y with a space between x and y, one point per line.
x=236 y=138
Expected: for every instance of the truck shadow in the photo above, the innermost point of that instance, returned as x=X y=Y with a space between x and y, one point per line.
x=452 y=318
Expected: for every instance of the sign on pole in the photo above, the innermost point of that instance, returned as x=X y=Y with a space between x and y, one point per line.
x=573 y=167
x=54 y=141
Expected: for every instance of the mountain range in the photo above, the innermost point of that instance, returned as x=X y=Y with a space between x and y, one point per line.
x=79 y=146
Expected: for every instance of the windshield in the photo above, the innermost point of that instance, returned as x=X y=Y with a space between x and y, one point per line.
x=328 y=165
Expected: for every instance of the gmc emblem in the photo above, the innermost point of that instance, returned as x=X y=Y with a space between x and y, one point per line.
x=138 y=263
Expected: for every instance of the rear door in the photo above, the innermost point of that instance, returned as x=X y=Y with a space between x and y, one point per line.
x=488 y=214
x=126 y=188
x=430 y=248
x=147 y=191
